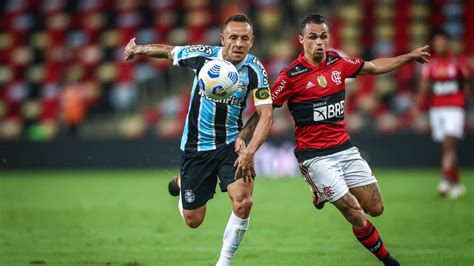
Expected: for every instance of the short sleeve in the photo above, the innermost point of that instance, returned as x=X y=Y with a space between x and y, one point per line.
x=261 y=80
x=281 y=90
x=192 y=55
x=352 y=66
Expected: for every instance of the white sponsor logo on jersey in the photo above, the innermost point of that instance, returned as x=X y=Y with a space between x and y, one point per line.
x=199 y=48
x=445 y=87
x=310 y=85
x=328 y=111
x=354 y=62
x=279 y=89
x=298 y=71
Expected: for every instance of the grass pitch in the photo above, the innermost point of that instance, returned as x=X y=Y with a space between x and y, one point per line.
x=127 y=218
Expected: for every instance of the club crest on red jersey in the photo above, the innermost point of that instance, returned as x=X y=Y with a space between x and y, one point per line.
x=336 y=77
x=322 y=81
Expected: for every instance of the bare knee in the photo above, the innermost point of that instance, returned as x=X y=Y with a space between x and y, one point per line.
x=193 y=222
x=375 y=210
x=351 y=209
x=194 y=218
x=242 y=207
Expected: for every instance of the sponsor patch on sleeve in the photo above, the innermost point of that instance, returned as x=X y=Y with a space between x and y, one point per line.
x=262 y=96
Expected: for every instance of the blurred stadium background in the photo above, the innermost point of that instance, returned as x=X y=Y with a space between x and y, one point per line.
x=69 y=100
x=63 y=76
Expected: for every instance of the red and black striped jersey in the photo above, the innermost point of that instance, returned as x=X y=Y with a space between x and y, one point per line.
x=315 y=96
x=447 y=76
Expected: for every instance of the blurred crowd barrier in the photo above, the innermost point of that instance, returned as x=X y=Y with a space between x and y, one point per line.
x=274 y=159
x=63 y=73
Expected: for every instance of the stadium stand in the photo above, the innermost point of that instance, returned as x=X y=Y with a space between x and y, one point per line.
x=62 y=71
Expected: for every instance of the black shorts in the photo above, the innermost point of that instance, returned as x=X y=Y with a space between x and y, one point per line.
x=200 y=170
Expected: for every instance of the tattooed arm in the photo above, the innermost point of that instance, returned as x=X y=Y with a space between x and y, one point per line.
x=254 y=132
x=151 y=50
x=247 y=131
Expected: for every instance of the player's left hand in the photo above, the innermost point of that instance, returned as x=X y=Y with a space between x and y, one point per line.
x=129 y=49
x=421 y=54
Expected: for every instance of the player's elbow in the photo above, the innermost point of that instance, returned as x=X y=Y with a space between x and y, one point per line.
x=373 y=68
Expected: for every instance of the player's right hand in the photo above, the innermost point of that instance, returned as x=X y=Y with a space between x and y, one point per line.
x=129 y=49
x=239 y=145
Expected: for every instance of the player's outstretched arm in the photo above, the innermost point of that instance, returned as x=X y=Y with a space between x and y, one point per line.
x=384 y=65
x=256 y=130
x=151 y=50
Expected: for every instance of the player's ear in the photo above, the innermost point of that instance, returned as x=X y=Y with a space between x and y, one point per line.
x=222 y=39
x=300 y=38
x=251 y=40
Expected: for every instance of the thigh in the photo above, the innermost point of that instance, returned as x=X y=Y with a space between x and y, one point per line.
x=198 y=178
x=361 y=181
x=369 y=197
x=436 y=124
x=357 y=171
x=226 y=170
x=454 y=125
x=325 y=177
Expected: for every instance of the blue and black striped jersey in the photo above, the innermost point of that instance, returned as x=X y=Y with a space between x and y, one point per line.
x=211 y=123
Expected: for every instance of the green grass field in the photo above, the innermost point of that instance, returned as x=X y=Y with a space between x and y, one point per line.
x=127 y=218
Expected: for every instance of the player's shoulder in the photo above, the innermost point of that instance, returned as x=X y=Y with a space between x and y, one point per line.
x=252 y=60
x=254 y=63
x=462 y=58
x=295 y=69
x=337 y=56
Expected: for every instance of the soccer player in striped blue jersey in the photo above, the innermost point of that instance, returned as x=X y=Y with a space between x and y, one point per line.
x=211 y=149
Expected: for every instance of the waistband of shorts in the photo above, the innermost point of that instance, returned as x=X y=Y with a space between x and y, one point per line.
x=303 y=155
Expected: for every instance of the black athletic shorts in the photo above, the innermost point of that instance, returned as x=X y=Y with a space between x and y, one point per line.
x=200 y=171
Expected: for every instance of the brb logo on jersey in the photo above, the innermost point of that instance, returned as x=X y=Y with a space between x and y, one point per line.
x=324 y=111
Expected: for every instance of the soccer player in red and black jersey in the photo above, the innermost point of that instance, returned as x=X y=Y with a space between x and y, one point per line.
x=313 y=86
x=444 y=80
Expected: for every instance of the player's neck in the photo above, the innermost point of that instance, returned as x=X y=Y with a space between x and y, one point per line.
x=442 y=54
x=315 y=61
